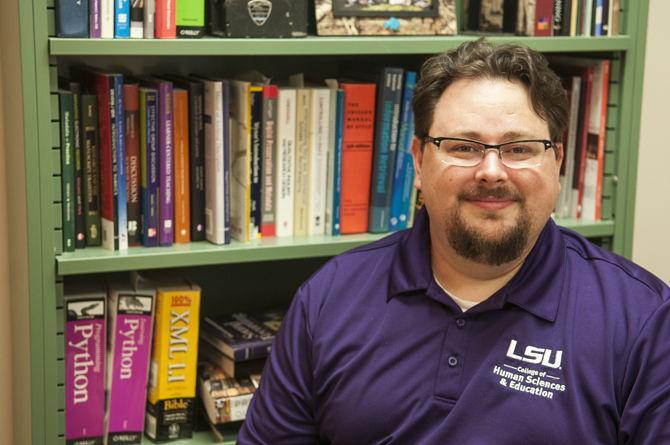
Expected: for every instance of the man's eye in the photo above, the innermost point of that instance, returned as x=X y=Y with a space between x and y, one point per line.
x=464 y=149
x=518 y=149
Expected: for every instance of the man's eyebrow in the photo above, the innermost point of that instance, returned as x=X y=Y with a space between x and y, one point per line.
x=477 y=136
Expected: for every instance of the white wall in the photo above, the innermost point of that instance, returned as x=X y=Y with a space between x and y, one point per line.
x=651 y=235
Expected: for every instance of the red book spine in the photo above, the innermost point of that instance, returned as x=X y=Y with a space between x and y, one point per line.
x=102 y=87
x=166 y=27
x=131 y=108
x=601 y=136
x=587 y=83
x=182 y=214
x=544 y=14
x=357 y=146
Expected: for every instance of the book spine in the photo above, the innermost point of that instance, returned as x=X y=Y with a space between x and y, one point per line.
x=121 y=19
x=149 y=19
x=543 y=20
x=386 y=129
x=84 y=369
x=337 y=173
x=182 y=232
x=166 y=163
x=301 y=184
x=318 y=160
x=149 y=156
x=240 y=191
x=165 y=19
x=119 y=167
x=570 y=148
x=94 y=22
x=67 y=168
x=214 y=186
x=285 y=161
x=72 y=18
x=557 y=18
x=400 y=206
x=107 y=19
x=107 y=215
x=130 y=329
x=227 y=160
x=172 y=376
x=598 y=18
x=196 y=161
x=580 y=154
x=132 y=138
x=269 y=128
x=190 y=19
x=136 y=19
x=79 y=217
x=330 y=169
x=256 y=100
x=91 y=174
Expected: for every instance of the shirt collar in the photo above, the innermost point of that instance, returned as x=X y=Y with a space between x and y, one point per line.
x=537 y=287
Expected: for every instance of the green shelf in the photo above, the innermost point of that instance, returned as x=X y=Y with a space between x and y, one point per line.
x=97 y=259
x=317 y=45
x=200 y=438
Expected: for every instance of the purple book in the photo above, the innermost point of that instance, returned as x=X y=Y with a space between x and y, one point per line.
x=84 y=363
x=165 y=160
x=94 y=23
x=129 y=347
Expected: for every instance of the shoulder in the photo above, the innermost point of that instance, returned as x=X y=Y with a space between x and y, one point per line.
x=616 y=279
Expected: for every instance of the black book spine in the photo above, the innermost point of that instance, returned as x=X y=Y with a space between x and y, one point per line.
x=256 y=159
x=91 y=174
x=197 y=160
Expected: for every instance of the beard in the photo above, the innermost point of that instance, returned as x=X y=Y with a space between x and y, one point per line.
x=505 y=245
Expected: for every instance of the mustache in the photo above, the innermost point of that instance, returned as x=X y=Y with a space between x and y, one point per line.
x=483 y=193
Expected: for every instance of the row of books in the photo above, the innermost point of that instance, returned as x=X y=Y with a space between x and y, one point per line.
x=545 y=17
x=587 y=82
x=215 y=159
x=131 y=354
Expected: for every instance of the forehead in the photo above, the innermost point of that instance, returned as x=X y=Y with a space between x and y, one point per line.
x=487 y=108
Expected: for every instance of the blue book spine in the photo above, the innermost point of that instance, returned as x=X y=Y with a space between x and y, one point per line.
x=406 y=201
x=386 y=140
x=225 y=91
x=598 y=21
x=150 y=191
x=120 y=183
x=72 y=18
x=398 y=213
x=121 y=19
x=337 y=173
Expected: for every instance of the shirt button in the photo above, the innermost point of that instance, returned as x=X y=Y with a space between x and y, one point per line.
x=453 y=361
x=460 y=322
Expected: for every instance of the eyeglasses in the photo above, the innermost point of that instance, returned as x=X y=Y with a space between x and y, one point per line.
x=467 y=153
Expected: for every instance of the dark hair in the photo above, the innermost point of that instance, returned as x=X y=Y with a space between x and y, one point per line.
x=481 y=59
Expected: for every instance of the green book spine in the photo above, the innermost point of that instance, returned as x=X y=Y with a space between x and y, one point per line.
x=91 y=163
x=190 y=19
x=67 y=168
x=79 y=217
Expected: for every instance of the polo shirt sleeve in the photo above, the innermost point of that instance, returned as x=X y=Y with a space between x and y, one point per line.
x=281 y=411
x=645 y=419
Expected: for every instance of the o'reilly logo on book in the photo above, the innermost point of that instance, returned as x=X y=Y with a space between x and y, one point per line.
x=259 y=11
x=533 y=354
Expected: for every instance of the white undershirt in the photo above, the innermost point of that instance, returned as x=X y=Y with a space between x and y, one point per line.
x=463 y=304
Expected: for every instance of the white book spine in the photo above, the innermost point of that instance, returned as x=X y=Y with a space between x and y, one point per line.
x=318 y=160
x=285 y=160
x=214 y=174
x=107 y=19
x=149 y=19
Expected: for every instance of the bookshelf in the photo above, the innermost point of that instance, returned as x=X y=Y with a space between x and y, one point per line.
x=39 y=57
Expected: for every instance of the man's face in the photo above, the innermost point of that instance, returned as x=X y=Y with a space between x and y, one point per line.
x=488 y=213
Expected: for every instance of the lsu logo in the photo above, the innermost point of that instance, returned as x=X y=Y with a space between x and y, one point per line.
x=535 y=355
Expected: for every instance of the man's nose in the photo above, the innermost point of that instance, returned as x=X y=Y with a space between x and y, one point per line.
x=491 y=169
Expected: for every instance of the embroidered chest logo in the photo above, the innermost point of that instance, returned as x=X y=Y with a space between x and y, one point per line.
x=544 y=382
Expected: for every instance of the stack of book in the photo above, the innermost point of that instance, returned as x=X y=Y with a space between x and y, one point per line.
x=233 y=350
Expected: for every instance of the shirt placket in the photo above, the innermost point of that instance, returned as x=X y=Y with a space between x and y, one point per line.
x=449 y=383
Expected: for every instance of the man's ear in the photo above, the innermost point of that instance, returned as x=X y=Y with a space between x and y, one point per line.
x=417 y=157
x=559 y=154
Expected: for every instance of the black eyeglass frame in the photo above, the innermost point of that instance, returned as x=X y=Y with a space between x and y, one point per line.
x=438 y=140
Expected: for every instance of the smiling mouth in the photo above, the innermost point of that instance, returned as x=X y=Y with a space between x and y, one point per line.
x=491 y=204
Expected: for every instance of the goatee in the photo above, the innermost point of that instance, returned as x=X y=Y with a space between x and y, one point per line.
x=504 y=246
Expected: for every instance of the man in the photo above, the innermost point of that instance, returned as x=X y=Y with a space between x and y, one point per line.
x=485 y=323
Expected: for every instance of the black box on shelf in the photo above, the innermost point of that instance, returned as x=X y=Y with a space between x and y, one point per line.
x=258 y=18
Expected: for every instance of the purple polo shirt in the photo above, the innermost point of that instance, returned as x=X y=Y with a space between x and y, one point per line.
x=575 y=349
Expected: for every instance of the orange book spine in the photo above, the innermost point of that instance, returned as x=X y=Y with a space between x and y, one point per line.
x=357 y=146
x=181 y=168
x=601 y=137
